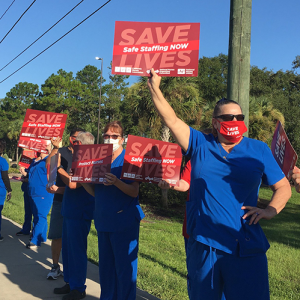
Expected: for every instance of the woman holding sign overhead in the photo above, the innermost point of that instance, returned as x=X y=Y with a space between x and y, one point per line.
x=117 y=220
x=226 y=249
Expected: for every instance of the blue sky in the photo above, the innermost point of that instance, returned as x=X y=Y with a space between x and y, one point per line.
x=275 y=39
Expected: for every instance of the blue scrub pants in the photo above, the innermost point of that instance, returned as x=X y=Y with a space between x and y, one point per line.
x=118 y=260
x=74 y=247
x=40 y=207
x=1 y=207
x=28 y=214
x=211 y=271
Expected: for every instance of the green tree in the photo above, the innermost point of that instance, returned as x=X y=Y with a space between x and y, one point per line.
x=212 y=77
x=13 y=133
x=263 y=118
x=90 y=78
x=116 y=90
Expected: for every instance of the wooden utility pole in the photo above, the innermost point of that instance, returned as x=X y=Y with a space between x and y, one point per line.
x=238 y=84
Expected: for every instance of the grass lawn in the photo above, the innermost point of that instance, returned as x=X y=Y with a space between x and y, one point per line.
x=162 y=270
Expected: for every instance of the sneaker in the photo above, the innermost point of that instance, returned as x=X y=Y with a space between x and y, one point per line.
x=63 y=290
x=21 y=233
x=74 y=295
x=31 y=246
x=1 y=238
x=54 y=273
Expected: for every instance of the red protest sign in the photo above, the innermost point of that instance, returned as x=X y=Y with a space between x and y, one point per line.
x=39 y=126
x=172 y=49
x=90 y=163
x=25 y=161
x=149 y=160
x=283 y=151
x=26 y=158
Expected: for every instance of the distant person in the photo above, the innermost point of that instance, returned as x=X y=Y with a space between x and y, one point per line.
x=56 y=219
x=226 y=250
x=296 y=178
x=117 y=221
x=41 y=200
x=26 y=228
x=78 y=211
x=5 y=189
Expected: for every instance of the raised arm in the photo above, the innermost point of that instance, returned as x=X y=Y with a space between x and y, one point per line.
x=179 y=129
x=55 y=143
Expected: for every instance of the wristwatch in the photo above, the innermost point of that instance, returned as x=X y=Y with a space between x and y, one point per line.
x=60 y=167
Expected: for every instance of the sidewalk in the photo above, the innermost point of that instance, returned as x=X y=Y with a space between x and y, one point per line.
x=23 y=271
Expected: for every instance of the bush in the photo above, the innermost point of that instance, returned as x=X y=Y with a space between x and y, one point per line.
x=13 y=170
x=150 y=193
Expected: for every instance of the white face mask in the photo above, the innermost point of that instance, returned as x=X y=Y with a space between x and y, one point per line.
x=115 y=143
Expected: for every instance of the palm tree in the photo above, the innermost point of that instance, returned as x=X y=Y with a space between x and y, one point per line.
x=13 y=133
x=263 y=118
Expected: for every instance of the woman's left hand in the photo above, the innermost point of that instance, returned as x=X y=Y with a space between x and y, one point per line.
x=258 y=213
x=110 y=179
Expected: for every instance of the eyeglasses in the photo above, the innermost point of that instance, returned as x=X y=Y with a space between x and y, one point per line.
x=229 y=117
x=113 y=136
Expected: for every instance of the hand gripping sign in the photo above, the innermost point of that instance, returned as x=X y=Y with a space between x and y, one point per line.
x=90 y=163
x=149 y=160
x=172 y=49
x=40 y=126
x=283 y=151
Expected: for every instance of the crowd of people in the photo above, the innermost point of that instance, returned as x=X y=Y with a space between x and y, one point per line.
x=225 y=245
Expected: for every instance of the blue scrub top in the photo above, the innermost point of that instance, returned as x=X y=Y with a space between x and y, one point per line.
x=78 y=204
x=3 y=167
x=220 y=187
x=114 y=210
x=37 y=179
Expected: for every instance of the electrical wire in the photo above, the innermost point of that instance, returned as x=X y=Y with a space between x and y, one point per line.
x=41 y=35
x=56 y=41
x=17 y=21
x=7 y=9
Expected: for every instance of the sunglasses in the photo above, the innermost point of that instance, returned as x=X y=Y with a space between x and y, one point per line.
x=75 y=142
x=113 y=136
x=230 y=117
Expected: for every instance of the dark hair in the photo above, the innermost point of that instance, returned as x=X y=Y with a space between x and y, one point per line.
x=222 y=102
x=114 y=125
x=2 y=146
x=76 y=130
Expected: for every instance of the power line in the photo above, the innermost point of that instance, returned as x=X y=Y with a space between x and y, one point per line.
x=56 y=41
x=7 y=9
x=17 y=21
x=41 y=35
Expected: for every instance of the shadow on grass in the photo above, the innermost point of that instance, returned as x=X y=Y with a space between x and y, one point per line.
x=174 y=270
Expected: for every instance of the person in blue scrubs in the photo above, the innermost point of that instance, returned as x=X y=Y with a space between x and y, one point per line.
x=26 y=228
x=226 y=251
x=78 y=211
x=117 y=221
x=5 y=189
x=41 y=200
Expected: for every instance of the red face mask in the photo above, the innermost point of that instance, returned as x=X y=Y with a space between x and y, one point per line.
x=232 y=131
